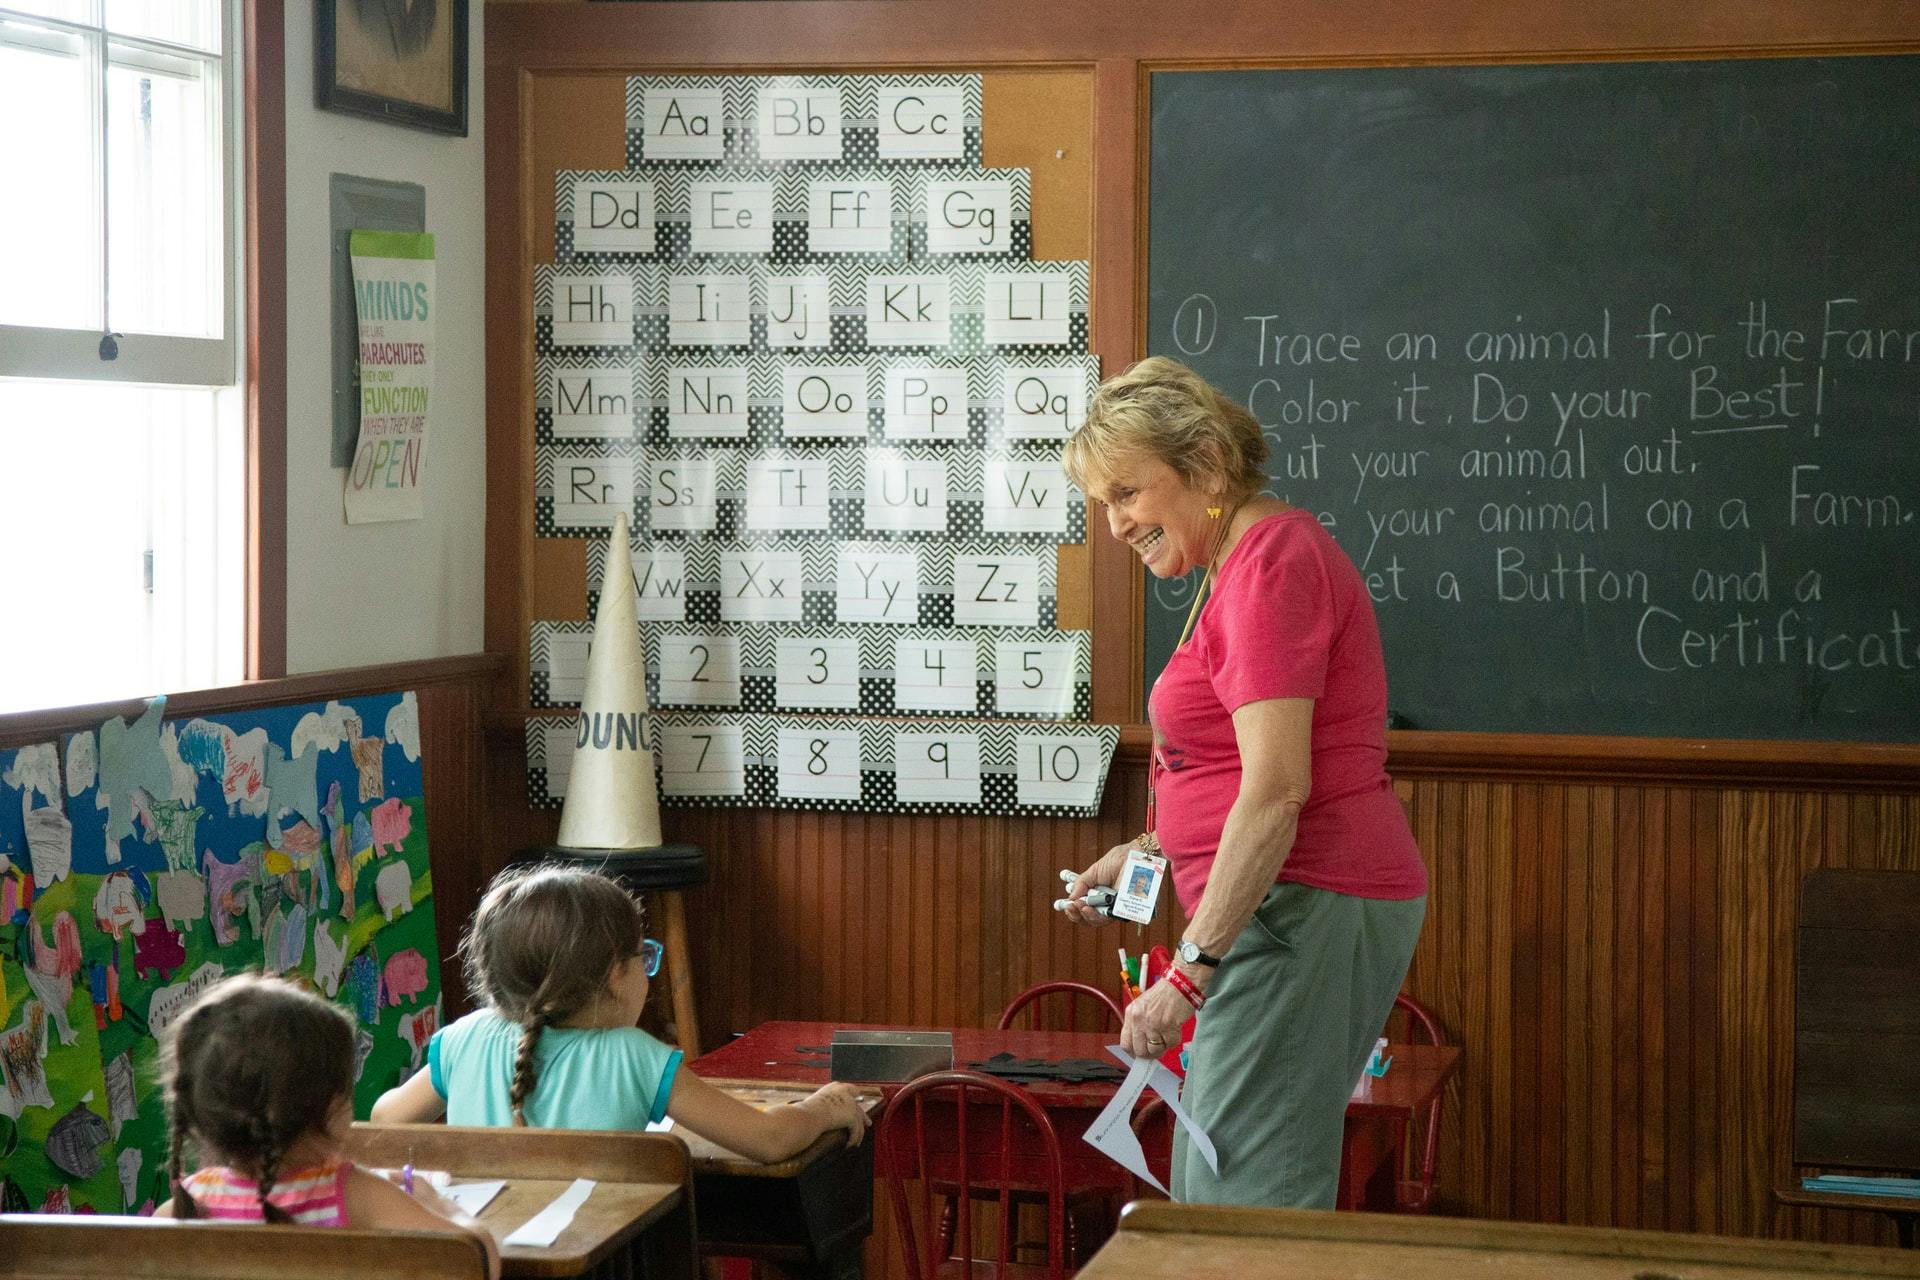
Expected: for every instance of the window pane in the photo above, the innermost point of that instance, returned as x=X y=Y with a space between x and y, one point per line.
x=109 y=472
x=164 y=233
x=49 y=196
x=189 y=22
x=70 y=10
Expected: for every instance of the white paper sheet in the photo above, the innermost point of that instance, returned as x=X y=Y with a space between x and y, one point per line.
x=544 y=1227
x=472 y=1197
x=1111 y=1133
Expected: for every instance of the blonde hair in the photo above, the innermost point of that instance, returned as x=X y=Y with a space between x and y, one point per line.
x=1161 y=409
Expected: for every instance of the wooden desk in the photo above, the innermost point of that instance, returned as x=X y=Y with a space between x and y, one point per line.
x=639 y=1202
x=809 y=1215
x=1376 y=1121
x=1160 y=1241
x=1856 y=969
x=1903 y=1210
x=38 y=1246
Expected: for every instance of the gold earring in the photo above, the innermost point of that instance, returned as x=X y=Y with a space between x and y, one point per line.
x=1213 y=513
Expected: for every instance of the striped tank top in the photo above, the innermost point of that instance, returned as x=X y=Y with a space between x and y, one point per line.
x=315 y=1196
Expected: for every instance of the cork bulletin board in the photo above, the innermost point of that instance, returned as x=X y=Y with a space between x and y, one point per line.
x=824 y=366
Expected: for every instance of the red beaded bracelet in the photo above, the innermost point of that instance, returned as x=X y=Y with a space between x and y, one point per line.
x=1184 y=985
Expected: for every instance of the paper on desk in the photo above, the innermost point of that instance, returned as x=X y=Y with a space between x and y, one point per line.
x=1112 y=1135
x=438 y=1179
x=662 y=1125
x=544 y=1227
x=472 y=1197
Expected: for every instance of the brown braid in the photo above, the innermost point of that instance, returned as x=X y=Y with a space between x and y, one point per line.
x=542 y=948
x=184 y=1205
x=525 y=1070
x=270 y=1174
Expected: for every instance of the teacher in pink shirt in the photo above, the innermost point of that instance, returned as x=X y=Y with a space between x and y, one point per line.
x=1291 y=856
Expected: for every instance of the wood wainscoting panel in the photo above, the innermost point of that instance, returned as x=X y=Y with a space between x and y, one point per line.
x=1615 y=961
x=452 y=743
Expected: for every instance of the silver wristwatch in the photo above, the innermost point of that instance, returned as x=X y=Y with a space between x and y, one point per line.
x=1190 y=953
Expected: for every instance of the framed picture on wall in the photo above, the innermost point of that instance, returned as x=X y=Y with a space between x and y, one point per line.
x=398 y=60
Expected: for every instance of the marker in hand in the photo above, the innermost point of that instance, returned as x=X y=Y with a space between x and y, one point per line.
x=1100 y=898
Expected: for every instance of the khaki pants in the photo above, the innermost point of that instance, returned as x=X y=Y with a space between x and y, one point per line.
x=1291 y=1016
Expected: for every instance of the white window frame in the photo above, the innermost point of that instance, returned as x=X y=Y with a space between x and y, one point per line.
x=31 y=351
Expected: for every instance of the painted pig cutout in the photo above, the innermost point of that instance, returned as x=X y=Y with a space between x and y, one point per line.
x=393 y=889
x=406 y=976
x=392 y=822
x=182 y=895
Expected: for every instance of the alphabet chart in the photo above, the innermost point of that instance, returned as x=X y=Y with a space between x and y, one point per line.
x=800 y=341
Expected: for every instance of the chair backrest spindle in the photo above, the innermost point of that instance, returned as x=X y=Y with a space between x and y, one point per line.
x=1048 y=993
x=1422 y=1025
x=959 y=1155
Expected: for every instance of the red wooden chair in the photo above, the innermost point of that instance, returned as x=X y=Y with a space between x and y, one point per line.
x=1414 y=1191
x=961 y=1129
x=1071 y=994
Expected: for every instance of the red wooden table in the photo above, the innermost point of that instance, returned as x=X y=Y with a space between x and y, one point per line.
x=1376 y=1119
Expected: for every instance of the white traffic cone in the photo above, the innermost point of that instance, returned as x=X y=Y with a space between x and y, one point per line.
x=611 y=801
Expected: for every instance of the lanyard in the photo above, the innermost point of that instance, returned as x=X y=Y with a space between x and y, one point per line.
x=1153 y=784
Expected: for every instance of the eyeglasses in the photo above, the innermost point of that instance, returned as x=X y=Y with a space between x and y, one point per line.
x=650 y=953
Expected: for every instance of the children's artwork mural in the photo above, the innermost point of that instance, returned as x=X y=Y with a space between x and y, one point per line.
x=142 y=862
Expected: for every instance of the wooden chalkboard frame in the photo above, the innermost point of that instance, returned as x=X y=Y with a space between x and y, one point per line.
x=1831 y=765
x=1118 y=563
x=1122 y=43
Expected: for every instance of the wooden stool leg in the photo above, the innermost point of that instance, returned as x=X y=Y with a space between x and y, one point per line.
x=679 y=960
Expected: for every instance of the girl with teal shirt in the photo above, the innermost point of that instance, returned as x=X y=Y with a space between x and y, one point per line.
x=559 y=955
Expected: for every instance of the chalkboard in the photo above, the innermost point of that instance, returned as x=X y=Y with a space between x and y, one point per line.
x=1607 y=375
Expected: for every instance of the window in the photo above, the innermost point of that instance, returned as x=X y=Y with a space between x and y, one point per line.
x=122 y=445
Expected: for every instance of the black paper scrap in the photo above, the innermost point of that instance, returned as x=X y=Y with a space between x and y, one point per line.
x=1032 y=1070
x=73 y=1143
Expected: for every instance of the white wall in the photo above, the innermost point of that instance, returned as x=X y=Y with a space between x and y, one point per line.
x=371 y=593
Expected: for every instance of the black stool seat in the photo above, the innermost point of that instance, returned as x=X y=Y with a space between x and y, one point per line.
x=669 y=866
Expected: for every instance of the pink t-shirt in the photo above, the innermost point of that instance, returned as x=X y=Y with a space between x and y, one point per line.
x=313 y=1197
x=1289 y=618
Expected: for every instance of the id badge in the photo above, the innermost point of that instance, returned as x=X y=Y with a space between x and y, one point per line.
x=1139 y=889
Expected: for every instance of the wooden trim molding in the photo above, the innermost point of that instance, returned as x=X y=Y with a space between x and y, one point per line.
x=1585 y=760
x=509 y=349
x=1119 y=277
x=319 y=686
x=265 y=185
x=850 y=34
x=1720 y=762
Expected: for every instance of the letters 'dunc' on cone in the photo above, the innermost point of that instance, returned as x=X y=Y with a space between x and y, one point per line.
x=611 y=801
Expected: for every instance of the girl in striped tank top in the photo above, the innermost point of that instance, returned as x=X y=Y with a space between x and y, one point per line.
x=259 y=1078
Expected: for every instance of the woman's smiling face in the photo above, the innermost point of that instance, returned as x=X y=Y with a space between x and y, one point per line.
x=1162 y=517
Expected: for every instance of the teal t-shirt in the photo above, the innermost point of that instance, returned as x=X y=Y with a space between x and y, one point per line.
x=587 y=1078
